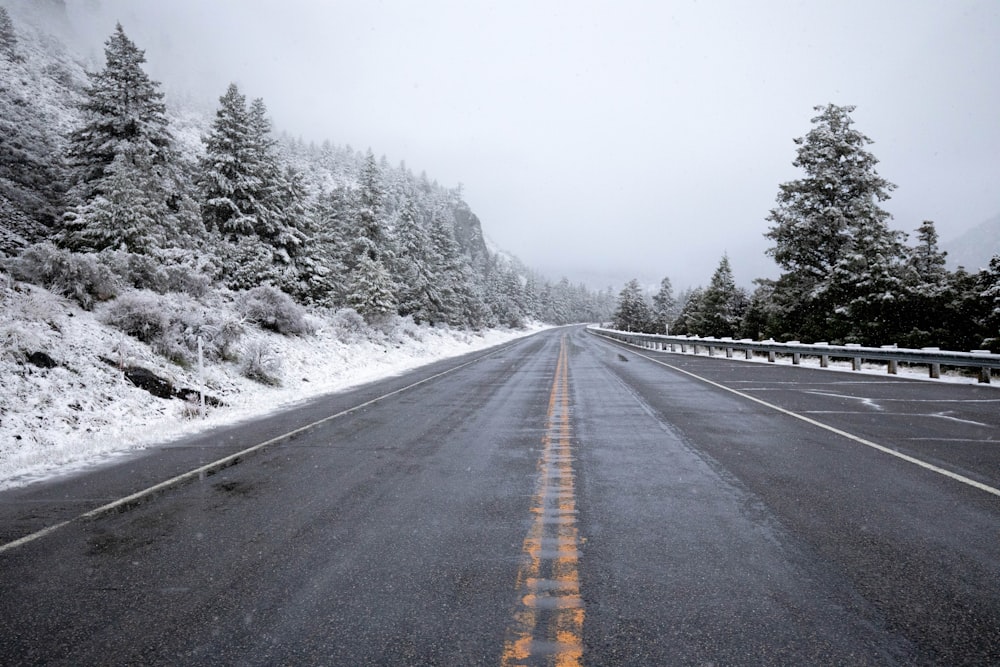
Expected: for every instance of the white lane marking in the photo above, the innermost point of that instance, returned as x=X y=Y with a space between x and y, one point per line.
x=908 y=415
x=232 y=459
x=850 y=436
x=869 y=402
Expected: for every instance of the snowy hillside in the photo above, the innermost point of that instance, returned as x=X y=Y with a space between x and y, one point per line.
x=975 y=248
x=83 y=409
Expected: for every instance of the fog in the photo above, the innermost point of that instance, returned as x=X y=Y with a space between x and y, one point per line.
x=607 y=140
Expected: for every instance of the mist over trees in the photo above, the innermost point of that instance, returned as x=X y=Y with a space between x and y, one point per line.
x=98 y=196
x=846 y=275
x=103 y=189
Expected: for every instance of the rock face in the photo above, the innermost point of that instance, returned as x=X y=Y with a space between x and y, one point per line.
x=42 y=360
x=159 y=387
x=469 y=231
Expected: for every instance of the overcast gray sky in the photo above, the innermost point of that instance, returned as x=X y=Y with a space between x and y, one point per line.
x=605 y=140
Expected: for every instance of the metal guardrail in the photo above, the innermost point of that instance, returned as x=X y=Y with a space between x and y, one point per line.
x=981 y=360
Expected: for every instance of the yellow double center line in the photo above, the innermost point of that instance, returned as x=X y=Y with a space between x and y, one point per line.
x=548 y=623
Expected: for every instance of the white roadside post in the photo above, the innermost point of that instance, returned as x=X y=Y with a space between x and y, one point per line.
x=201 y=376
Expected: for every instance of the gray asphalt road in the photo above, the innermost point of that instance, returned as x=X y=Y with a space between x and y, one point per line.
x=563 y=500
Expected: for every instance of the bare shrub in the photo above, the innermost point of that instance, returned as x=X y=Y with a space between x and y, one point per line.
x=260 y=363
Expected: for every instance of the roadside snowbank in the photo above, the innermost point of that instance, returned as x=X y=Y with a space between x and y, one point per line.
x=82 y=411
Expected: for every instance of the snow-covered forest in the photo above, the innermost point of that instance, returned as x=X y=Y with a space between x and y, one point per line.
x=846 y=275
x=148 y=250
x=106 y=188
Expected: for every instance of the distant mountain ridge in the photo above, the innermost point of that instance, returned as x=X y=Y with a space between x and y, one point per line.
x=976 y=247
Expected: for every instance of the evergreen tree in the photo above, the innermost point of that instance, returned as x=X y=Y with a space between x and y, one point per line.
x=927 y=260
x=125 y=135
x=370 y=236
x=122 y=215
x=839 y=259
x=664 y=305
x=989 y=285
x=418 y=294
x=229 y=178
x=690 y=320
x=722 y=304
x=123 y=112
x=370 y=292
x=8 y=36
x=633 y=313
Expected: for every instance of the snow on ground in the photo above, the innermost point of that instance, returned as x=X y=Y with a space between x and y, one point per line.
x=57 y=420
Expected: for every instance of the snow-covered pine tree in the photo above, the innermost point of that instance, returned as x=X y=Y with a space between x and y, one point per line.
x=125 y=131
x=122 y=215
x=123 y=109
x=370 y=235
x=281 y=202
x=452 y=276
x=690 y=319
x=633 y=313
x=371 y=290
x=722 y=305
x=664 y=305
x=8 y=36
x=229 y=178
x=927 y=260
x=32 y=150
x=418 y=294
x=831 y=237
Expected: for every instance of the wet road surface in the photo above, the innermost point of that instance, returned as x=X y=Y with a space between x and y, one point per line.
x=561 y=500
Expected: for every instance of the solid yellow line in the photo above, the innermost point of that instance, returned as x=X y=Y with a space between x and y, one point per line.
x=560 y=592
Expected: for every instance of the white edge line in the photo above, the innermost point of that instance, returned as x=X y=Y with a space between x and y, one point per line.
x=868 y=443
x=231 y=459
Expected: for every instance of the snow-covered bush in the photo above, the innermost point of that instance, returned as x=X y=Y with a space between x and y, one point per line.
x=79 y=277
x=407 y=328
x=172 y=325
x=163 y=273
x=138 y=314
x=272 y=309
x=260 y=362
x=17 y=342
x=349 y=327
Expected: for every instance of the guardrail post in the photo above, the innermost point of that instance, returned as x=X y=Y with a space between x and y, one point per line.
x=749 y=353
x=893 y=363
x=984 y=371
x=855 y=361
x=771 y=356
x=796 y=356
x=695 y=348
x=824 y=359
x=711 y=351
x=934 y=368
x=729 y=353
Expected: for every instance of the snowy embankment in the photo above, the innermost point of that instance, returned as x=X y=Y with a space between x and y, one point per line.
x=82 y=410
